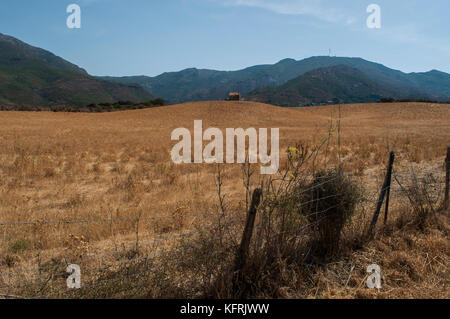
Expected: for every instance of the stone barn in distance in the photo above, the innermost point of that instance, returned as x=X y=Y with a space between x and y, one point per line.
x=234 y=96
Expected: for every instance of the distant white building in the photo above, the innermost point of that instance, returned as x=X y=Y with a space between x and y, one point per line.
x=234 y=96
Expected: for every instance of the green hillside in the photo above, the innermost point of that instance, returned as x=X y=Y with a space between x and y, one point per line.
x=197 y=85
x=33 y=76
x=335 y=84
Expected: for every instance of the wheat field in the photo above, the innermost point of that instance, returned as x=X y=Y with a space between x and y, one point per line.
x=117 y=166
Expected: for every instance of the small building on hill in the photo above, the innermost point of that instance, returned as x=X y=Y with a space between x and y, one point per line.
x=234 y=96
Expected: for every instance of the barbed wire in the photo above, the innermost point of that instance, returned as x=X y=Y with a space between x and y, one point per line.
x=140 y=245
x=138 y=219
x=109 y=220
x=103 y=257
x=127 y=276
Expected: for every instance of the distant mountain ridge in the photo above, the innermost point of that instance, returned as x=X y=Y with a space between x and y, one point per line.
x=33 y=76
x=199 y=84
x=328 y=85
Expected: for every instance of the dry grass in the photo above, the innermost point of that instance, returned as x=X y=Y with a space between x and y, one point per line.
x=73 y=166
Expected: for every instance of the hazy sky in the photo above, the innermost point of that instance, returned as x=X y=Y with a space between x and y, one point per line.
x=134 y=37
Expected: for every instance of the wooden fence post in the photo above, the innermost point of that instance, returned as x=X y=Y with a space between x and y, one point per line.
x=384 y=191
x=388 y=186
x=242 y=254
x=447 y=179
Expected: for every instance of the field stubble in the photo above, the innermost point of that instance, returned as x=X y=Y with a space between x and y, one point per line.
x=114 y=171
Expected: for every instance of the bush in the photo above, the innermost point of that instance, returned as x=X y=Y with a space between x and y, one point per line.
x=158 y=102
x=328 y=203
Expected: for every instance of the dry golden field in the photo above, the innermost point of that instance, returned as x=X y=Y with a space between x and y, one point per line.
x=112 y=169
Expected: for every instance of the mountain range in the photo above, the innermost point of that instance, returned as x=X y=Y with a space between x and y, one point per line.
x=200 y=84
x=328 y=85
x=33 y=76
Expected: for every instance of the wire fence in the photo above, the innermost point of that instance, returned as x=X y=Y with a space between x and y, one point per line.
x=23 y=278
x=48 y=276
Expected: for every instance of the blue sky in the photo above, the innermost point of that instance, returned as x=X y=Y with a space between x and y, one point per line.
x=148 y=37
